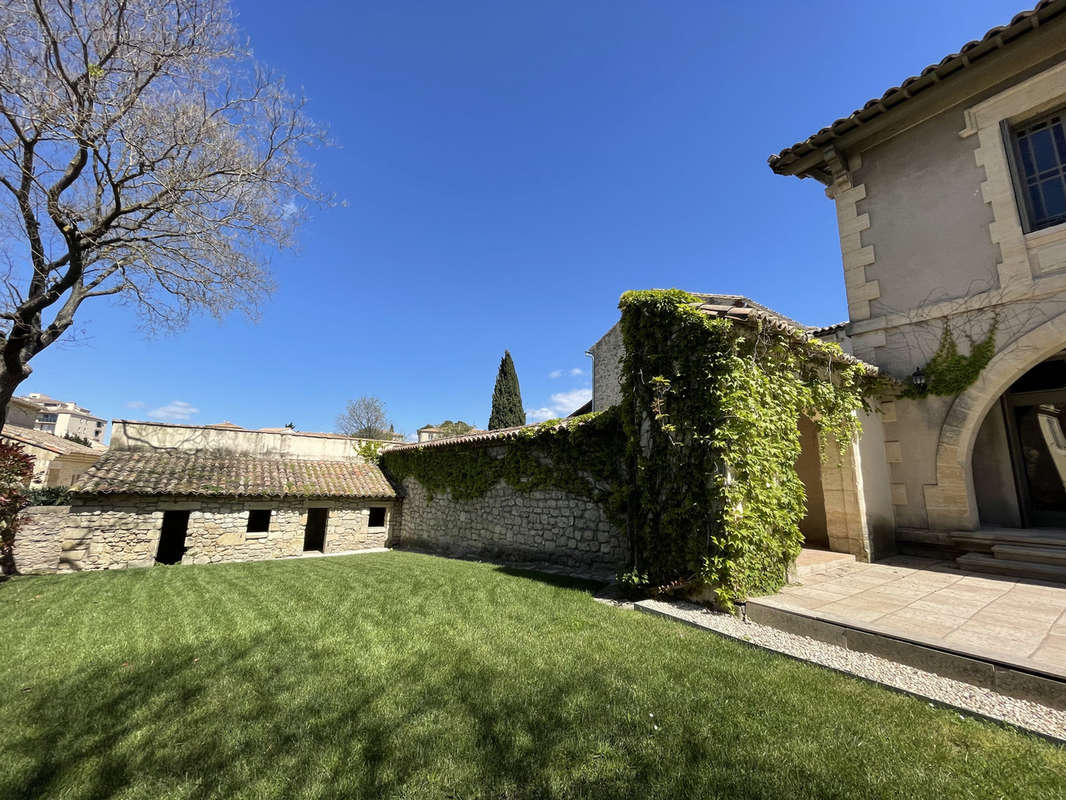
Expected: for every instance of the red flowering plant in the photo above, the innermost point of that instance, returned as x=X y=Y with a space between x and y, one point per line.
x=16 y=467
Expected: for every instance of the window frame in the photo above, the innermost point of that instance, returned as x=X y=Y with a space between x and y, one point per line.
x=1011 y=133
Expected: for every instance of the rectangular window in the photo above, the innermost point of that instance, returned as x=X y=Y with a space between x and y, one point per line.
x=1040 y=167
x=259 y=520
x=377 y=517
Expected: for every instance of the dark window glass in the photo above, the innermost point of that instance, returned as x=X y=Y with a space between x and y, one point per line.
x=259 y=520
x=1040 y=156
x=377 y=517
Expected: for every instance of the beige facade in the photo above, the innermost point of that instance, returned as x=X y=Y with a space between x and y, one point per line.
x=64 y=418
x=938 y=229
x=56 y=461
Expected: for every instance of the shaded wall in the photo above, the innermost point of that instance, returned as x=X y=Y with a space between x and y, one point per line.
x=542 y=526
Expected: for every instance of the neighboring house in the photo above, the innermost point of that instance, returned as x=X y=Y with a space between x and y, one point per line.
x=950 y=195
x=173 y=493
x=22 y=412
x=64 y=418
x=56 y=461
x=427 y=433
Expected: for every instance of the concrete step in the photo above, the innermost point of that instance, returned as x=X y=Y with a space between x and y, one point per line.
x=1032 y=553
x=985 y=539
x=977 y=562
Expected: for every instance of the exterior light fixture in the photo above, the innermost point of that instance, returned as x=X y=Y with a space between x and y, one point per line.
x=918 y=379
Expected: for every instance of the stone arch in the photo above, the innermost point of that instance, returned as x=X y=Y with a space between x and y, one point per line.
x=950 y=502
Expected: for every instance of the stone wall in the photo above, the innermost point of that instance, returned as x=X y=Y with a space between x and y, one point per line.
x=39 y=540
x=543 y=526
x=115 y=532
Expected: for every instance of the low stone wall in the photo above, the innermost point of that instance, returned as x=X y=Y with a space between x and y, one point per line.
x=544 y=525
x=113 y=532
x=39 y=539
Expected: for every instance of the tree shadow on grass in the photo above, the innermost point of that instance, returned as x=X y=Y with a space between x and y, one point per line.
x=554 y=579
x=270 y=716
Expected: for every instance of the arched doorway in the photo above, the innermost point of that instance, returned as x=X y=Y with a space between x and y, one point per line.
x=1019 y=456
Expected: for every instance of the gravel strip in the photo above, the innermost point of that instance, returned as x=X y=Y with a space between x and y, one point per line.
x=1038 y=718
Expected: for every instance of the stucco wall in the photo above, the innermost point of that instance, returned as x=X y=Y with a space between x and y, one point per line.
x=117 y=532
x=928 y=221
x=545 y=526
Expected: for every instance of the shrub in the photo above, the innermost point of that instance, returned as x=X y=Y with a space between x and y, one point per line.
x=15 y=470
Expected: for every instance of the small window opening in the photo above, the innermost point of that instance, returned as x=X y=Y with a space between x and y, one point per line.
x=259 y=520
x=377 y=517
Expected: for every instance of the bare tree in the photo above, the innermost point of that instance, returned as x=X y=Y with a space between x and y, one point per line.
x=143 y=155
x=366 y=419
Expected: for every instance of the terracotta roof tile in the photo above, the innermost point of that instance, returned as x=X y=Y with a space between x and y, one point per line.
x=932 y=75
x=780 y=323
x=175 y=472
x=46 y=441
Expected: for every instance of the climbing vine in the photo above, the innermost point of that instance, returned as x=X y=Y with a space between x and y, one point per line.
x=948 y=372
x=582 y=456
x=710 y=411
x=697 y=463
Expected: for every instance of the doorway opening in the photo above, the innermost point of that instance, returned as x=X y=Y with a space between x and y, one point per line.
x=172 y=537
x=1019 y=460
x=315 y=530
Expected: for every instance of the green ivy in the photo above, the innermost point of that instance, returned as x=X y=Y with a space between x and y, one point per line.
x=697 y=463
x=948 y=372
x=582 y=456
x=710 y=412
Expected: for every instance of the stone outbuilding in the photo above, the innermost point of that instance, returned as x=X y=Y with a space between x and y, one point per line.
x=184 y=494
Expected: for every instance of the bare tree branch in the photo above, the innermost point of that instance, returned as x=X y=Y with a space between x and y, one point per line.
x=145 y=156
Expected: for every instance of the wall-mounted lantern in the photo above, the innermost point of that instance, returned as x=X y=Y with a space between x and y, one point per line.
x=918 y=380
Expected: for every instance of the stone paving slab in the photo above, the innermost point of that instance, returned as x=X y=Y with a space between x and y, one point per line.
x=1012 y=621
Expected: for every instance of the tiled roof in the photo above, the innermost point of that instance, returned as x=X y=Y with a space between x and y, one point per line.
x=486 y=437
x=971 y=52
x=745 y=314
x=176 y=472
x=46 y=441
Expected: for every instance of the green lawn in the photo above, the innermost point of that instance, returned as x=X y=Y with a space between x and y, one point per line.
x=402 y=675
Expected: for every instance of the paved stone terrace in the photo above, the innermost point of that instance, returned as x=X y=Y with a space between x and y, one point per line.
x=1016 y=621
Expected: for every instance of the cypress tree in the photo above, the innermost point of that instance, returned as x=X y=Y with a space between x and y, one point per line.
x=507 y=408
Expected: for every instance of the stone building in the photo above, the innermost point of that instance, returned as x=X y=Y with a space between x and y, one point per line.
x=56 y=461
x=65 y=418
x=950 y=198
x=849 y=508
x=187 y=494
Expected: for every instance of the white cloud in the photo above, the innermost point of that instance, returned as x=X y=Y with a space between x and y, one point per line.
x=177 y=410
x=135 y=404
x=560 y=404
x=573 y=371
x=567 y=402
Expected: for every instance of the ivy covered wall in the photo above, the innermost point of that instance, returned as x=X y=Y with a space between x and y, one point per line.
x=696 y=465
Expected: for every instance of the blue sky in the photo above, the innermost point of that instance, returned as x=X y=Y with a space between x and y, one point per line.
x=509 y=170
